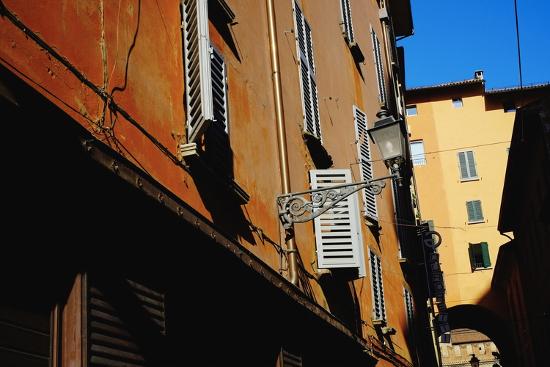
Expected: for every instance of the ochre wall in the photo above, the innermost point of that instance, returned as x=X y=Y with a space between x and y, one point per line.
x=446 y=131
x=133 y=50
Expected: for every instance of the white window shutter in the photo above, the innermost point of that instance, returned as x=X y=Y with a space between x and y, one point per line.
x=338 y=231
x=377 y=51
x=198 y=88
x=347 y=25
x=365 y=159
x=310 y=100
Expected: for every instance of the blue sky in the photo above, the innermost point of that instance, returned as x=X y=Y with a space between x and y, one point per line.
x=454 y=38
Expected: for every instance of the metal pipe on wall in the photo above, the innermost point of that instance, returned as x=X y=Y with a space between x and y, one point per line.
x=281 y=131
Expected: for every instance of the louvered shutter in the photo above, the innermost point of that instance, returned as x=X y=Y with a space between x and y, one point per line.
x=378 y=304
x=219 y=89
x=111 y=323
x=471 y=254
x=347 y=25
x=463 y=165
x=485 y=254
x=310 y=100
x=471 y=164
x=467 y=165
x=377 y=51
x=474 y=211
x=198 y=90
x=337 y=231
x=409 y=308
x=363 y=152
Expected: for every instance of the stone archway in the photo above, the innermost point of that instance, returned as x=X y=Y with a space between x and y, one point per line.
x=485 y=321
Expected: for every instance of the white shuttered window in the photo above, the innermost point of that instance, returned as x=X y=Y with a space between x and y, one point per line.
x=378 y=304
x=378 y=63
x=347 y=24
x=198 y=90
x=308 y=82
x=365 y=159
x=338 y=230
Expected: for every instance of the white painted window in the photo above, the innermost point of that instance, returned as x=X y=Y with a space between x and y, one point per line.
x=347 y=24
x=304 y=44
x=467 y=164
x=365 y=158
x=378 y=63
x=457 y=102
x=417 y=153
x=378 y=304
x=338 y=231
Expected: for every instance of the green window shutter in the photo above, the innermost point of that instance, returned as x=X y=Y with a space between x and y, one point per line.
x=472 y=257
x=485 y=254
x=471 y=164
x=463 y=165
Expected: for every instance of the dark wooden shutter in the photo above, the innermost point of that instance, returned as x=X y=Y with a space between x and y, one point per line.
x=24 y=335
x=485 y=254
x=115 y=337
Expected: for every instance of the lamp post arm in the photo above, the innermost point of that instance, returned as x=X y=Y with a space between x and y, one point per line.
x=297 y=208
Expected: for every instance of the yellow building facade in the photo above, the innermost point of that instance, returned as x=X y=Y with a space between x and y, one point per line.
x=460 y=137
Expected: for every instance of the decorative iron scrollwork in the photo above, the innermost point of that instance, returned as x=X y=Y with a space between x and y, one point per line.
x=295 y=208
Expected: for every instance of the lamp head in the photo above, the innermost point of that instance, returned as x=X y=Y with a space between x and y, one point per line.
x=388 y=135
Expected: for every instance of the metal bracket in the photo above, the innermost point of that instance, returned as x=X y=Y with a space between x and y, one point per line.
x=295 y=208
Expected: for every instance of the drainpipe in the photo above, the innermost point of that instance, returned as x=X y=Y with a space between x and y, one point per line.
x=281 y=132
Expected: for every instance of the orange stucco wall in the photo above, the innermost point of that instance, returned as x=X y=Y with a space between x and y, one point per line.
x=133 y=50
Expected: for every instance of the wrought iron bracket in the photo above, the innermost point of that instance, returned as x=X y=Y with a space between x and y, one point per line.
x=299 y=208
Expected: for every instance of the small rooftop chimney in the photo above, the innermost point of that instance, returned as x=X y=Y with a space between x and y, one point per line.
x=478 y=74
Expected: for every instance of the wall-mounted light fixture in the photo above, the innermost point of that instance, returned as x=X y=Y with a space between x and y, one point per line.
x=388 y=134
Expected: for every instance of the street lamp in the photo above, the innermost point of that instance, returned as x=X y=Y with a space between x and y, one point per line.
x=388 y=135
x=474 y=362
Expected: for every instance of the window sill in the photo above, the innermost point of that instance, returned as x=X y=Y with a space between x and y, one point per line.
x=470 y=179
x=481 y=269
x=476 y=222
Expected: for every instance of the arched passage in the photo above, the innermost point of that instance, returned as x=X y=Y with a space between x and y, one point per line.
x=479 y=318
